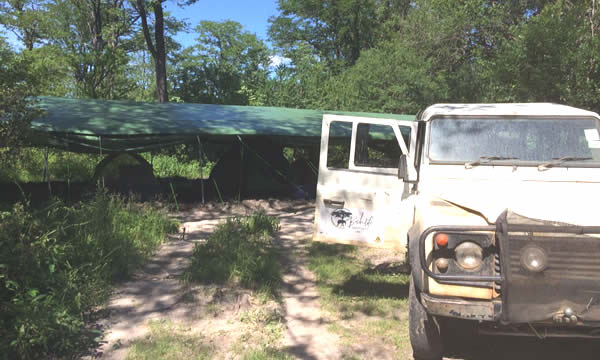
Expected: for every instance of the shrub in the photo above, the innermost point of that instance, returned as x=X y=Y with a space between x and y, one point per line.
x=57 y=265
x=240 y=250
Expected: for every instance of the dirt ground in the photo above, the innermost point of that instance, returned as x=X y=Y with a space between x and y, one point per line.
x=235 y=320
x=157 y=294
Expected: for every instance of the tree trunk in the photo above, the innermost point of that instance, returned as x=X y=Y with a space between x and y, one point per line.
x=158 y=52
x=160 y=59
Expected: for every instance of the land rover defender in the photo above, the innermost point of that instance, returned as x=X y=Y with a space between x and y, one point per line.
x=495 y=206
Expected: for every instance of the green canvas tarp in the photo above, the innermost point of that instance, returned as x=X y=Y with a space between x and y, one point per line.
x=117 y=126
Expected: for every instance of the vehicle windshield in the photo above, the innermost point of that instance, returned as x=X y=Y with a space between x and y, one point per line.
x=515 y=140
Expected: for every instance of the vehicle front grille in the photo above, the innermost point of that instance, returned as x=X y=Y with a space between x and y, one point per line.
x=571 y=278
x=569 y=258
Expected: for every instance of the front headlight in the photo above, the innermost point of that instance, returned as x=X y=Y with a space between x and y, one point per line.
x=469 y=255
x=534 y=258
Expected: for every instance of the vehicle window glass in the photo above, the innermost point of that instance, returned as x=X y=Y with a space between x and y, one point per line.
x=376 y=146
x=338 y=148
x=537 y=140
x=405 y=131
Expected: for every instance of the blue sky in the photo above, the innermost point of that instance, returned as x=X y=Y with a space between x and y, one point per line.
x=252 y=14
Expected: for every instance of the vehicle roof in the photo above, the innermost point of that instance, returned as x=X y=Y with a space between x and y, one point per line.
x=506 y=109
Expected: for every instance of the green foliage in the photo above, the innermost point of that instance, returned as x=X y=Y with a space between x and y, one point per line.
x=376 y=82
x=337 y=30
x=240 y=250
x=553 y=58
x=16 y=111
x=63 y=165
x=227 y=66
x=74 y=167
x=57 y=265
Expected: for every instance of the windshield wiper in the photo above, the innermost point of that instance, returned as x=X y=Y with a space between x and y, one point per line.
x=487 y=159
x=558 y=161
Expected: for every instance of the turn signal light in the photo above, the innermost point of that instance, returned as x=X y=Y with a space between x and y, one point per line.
x=441 y=239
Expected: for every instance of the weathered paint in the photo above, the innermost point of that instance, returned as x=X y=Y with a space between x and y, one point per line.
x=458 y=308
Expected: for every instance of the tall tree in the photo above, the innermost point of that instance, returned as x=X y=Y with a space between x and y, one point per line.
x=551 y=58
x=156 y=46
x=26 y=19
x=92 y=34
x=336 y=30
x=227 y=66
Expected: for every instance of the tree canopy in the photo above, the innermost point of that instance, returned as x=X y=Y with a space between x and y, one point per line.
x=354 y=55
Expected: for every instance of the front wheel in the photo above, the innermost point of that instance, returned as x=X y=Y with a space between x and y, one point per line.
x=425 y=336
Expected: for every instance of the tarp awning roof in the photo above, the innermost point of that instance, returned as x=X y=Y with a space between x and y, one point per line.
x=84 y=124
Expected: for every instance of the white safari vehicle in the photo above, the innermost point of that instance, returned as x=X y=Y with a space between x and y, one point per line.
x=497 y=206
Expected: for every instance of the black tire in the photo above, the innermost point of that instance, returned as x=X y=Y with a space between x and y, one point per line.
x=425 y=335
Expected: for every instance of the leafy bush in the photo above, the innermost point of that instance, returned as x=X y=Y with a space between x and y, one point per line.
x=170 y=166
x=241 y=250
x=64 y=165
x=57 y=265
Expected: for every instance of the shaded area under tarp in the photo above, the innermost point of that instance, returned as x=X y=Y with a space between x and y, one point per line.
x=84 y=125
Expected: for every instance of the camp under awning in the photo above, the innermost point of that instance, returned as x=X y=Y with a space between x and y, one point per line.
x=85 y=125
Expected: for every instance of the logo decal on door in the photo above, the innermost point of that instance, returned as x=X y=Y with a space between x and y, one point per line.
x=353 y=220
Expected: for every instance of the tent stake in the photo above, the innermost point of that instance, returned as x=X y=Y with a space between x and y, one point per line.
x=201 y=167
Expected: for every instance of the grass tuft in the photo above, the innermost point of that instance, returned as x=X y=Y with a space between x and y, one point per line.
x=169 y=342
x=240 y=250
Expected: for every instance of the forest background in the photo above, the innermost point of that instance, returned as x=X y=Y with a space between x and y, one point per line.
x=358 y=55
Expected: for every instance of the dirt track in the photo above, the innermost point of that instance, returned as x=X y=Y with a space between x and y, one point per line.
x=157 y=293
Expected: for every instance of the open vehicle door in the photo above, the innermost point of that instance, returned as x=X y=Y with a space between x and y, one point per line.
x=360 y=199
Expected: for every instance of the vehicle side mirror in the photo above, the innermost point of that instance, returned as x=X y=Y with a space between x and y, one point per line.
x=403 y=168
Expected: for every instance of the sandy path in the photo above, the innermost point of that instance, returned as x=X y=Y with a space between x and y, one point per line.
x=307 y=336
x=156 y=293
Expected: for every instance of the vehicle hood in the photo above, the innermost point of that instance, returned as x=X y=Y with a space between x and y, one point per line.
x=574 y=203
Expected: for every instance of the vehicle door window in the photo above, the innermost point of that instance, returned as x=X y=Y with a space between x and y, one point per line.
x=377 y=145
x=338 y=147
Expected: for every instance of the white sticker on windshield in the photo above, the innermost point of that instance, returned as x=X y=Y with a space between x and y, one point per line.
x=592 y=135
x=594 y=144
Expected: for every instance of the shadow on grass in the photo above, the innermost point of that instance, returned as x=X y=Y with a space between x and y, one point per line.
x=331 y=250
x=365 y=286
x=339 y=266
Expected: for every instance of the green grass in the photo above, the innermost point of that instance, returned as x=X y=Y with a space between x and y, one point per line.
x=58 y=264
x=264 y=329
x=241 y=251
x=170 y=342
x=62 y=166
x=368 y=306
x=166 y=166
x=267 y=354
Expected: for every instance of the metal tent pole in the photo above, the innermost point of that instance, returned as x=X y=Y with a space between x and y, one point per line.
x=100 y=143
x=241 y=169
x=200 y=153
x=47 y=171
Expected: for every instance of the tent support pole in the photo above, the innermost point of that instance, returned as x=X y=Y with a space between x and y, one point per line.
x=47 y=171
x=68 y=179
x=201 y=158
x=100 y=144
x=241 y=168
